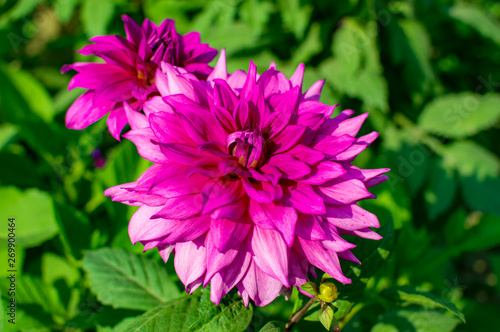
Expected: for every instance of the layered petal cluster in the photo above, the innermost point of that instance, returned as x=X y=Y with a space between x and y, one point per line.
x=252 y=185
x=128 y=73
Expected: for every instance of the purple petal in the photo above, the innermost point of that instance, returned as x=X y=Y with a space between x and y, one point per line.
x=142 y=139
x=117 y=120
x=326 y=260
x=281 y=218
x=83 y=112
x=350 y=217
x=344 y=190
x=189 y=261
x=270 y=253
x=259 y=286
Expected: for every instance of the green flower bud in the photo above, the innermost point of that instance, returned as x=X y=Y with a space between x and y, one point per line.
x=328 y=292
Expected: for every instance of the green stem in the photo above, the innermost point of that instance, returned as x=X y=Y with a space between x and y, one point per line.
x=294 y=319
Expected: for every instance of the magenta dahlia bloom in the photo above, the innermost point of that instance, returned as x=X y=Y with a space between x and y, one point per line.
x=128 y=73
x=252 y=185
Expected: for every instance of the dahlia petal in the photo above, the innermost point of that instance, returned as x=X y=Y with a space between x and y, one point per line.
x=154 y=105
x=227 y=234
x=117 y=92
x=298 y=270
x=217 y=193
x=326 y=260
x=271 y=254
x=250 y=81
x=94 y=75
x=365 y=175
x=136 y=119
x=376 y=180
x=137 y=198
x=270 y=174
x=290 y=166
x=133 y=30
x=237 y=80
x=189 y=229
x=223 y=117
x=309 y=228
x=224 y=95
x=350 y=126
x=262 y=192
x=298 y=76
x=216 y=260
x=117 y=120
x=169 y=82
x=288 y=138
x=184 y=154
x=334 y=242
x=83 y=112
x=165 y=250
x=274 y=82
x=365 y=233
x=280 y=218
x=229 y=277
x=143 y=228
x=305 y=200
x=189 y=261
x=357 y=147
x=220 y=69
x=332 y=146
x=344 y=190
x=260 y=287
x=348 y=255
x=232 y=211
x=350 y=217
x=180 y=207
x=142 y=140
x=323 y=173
x=314 y=92
x=167 y=128
x=175 y=183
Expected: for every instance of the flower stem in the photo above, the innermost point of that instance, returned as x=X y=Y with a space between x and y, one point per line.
x=294 y=319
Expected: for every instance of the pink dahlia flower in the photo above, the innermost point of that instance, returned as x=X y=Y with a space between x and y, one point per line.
x=252 y=185
x=128 y=73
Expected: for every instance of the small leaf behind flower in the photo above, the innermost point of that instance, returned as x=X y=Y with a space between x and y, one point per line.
x=409 y=295
x=326 y=317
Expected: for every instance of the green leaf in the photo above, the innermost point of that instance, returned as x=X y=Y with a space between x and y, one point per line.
x=185 y=314
x=478 y=19
x=96 y=16
x=410 y=47
x=31 y=290
x=327 y=318
x=482 y=195
x=484 y=235
x=34 y=214
x=471 y=159
x=460 y=115
x=8 y=133
x=295 y=16
x=416 y=321
x=75 y=229
x=409 y=295
x=32 y=91
x=125 y=280
x=64 y=9
x=273 y=326
x=440 y=191
x=230 y=315
x=357 y=61
x=310 y=287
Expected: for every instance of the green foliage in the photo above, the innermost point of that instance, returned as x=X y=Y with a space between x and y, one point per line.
x=418 y=321
x=428 y=73
x=124 y=280
x=193 y=313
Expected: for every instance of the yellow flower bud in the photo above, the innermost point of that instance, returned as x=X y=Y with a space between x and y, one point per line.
x=328 y=292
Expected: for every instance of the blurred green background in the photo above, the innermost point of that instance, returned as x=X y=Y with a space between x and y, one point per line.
x=427 y=71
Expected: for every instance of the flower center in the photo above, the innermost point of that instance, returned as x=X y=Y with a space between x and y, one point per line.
x=248 y=146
